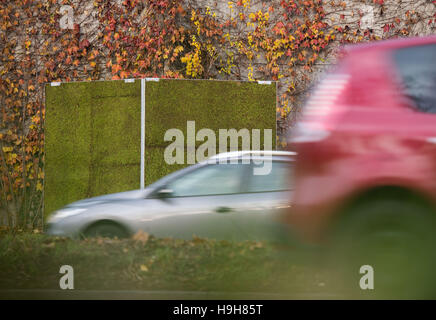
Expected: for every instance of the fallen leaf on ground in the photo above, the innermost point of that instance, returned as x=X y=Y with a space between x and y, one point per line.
x=141 y=236
x=144 y=268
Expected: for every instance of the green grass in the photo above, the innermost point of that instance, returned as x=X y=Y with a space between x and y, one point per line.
x=32 y=261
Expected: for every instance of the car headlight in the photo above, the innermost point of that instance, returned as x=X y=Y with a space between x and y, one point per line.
x=63 y=213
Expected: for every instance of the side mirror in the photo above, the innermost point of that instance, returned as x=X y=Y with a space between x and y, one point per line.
x=164 y=193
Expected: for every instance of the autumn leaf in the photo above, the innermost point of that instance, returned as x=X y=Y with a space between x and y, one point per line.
x=141 y=236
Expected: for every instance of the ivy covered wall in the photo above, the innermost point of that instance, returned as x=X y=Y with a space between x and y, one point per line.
x=291 y=41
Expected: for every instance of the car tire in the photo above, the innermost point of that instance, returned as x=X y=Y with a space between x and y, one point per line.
x=105 y=230
x=395 y=238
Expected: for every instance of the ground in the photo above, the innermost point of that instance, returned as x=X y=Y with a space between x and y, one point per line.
x=146 y=267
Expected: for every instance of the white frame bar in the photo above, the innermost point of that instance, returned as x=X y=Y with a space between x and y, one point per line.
x=142 y=182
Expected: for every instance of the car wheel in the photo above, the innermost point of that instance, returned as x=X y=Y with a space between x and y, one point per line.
x=395 y=238
x=105 y=230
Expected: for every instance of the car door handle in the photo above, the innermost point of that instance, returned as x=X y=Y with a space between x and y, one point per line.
x=223 y=210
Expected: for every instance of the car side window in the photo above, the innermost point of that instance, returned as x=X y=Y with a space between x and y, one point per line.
x=213 y=179
x=417 y=69
x=278 y=179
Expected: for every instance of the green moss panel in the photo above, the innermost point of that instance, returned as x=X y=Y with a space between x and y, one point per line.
x=211 y=104
x=92 y=142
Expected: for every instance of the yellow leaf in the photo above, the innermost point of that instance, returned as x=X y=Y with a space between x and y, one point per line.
x=7 y=149
x=39 y=186
x=144 y=268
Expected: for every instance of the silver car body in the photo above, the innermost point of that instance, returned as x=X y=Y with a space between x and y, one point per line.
x=243 y=215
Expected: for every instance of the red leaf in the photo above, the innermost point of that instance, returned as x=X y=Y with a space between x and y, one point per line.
x=84 y=43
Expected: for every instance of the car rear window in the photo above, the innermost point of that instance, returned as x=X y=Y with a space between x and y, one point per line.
x=278 y=179
x=417 y=69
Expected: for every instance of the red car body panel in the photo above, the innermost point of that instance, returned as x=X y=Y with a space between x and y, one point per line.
x=374 y=137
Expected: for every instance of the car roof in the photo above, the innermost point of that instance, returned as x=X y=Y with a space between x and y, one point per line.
x=390 y=44
x=254 y=154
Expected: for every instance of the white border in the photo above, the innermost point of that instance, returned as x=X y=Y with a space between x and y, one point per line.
x=142 y=182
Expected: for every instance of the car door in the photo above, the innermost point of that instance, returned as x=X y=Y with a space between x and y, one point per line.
x=198 y=203
x=265 y=198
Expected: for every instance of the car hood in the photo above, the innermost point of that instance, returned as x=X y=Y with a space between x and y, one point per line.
x=126 y=195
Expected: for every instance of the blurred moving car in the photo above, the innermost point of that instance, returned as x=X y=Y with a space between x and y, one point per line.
x=220 y=198
x=365 y=174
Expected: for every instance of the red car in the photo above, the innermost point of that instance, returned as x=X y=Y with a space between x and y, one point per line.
x=366 y=143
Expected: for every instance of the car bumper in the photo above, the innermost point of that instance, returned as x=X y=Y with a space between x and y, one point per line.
x=58 y=230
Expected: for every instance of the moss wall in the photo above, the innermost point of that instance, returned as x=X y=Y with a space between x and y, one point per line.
x=92 y=144
x=211 y=104
x=93 y=129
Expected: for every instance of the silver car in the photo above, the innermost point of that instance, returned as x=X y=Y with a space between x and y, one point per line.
x=221 y=198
